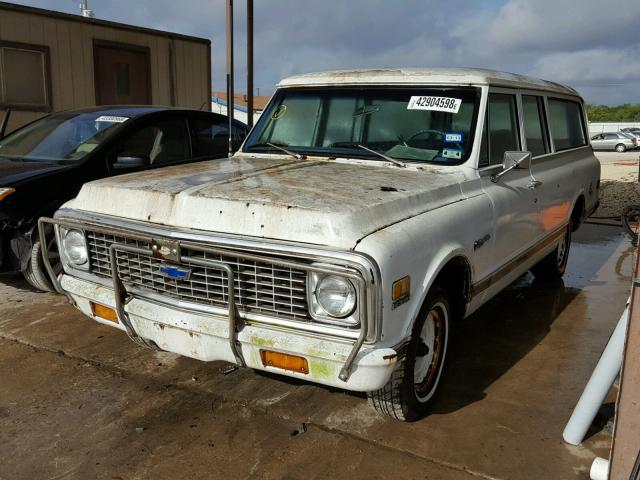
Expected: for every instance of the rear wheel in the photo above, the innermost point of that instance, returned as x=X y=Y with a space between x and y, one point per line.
x=35 y=272
x=620 y=147
x=554 y=265
x=408 y=394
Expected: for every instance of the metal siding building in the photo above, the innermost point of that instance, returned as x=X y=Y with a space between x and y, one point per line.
x=51 y=61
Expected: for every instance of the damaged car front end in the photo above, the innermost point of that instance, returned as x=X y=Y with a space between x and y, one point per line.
x=268 y=306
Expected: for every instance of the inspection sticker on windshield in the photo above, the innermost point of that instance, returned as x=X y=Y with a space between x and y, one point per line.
x=452 y=153
x=453 y=137
x=111 y=118
x=439 y=104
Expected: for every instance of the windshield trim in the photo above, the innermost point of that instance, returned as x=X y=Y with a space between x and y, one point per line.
x=353 y=152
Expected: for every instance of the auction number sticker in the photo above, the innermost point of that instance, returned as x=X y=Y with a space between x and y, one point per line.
x=438 y=104
x=112 y=119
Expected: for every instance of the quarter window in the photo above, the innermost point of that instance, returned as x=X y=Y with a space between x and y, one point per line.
x=534 y=127
x=500 y=129
x=565 y=122
x=24 y=77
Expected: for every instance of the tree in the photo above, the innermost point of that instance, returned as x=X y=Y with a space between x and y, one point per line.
x=620 y=113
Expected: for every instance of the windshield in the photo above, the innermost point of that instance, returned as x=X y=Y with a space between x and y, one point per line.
x=61 y=138
x=434 y=125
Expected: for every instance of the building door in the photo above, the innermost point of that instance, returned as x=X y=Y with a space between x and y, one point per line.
x=122 y=74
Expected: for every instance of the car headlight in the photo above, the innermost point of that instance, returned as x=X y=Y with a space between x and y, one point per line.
x=333 y=299
x=75 y=247
x=5 y=192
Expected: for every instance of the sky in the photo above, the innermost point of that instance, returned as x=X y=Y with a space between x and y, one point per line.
x=591 y=45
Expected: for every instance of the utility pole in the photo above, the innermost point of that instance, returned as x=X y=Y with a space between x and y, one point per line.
x=85 y=11
x=230 y=93
x=250 y=63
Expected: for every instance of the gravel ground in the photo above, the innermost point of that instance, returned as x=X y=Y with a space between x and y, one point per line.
x=619 y=186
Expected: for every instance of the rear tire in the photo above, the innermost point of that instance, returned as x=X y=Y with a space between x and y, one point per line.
x=620 y=148
x=410 y=391
x=554 y=265
x=35 y=272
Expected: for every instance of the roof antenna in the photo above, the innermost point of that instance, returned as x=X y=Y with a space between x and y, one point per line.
x=84 y=10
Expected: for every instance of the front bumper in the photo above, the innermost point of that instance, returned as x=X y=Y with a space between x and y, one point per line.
x=206 y=337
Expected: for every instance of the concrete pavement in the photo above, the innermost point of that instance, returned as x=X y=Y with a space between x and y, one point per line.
x=79 y=400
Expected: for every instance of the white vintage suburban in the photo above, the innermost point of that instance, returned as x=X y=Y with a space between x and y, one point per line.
x=365 y=212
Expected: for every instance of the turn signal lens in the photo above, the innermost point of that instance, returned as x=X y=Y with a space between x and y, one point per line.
x=284 y=361
x=5 y=192
x=106 y=313
x=401 y=291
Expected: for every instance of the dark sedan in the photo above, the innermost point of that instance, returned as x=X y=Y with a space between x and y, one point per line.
x=44 y=164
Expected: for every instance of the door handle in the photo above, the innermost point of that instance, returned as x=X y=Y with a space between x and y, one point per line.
x=533 y=184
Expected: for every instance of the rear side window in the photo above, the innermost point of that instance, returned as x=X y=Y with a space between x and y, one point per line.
x=500 y=132
x=534 y=128
x=211 y=137
x=565 y=122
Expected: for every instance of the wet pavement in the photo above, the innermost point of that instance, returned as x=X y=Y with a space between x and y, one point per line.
x=78 y=400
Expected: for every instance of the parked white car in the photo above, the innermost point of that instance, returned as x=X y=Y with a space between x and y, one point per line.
x=366 y=212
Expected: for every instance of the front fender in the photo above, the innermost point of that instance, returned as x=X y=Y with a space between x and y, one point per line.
x=419 y=247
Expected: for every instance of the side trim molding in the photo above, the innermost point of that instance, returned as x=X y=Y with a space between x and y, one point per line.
x=514 y=263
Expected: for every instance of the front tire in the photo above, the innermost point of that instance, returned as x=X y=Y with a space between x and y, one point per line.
x=410 y=391
x=35 y=272
x=620 y=148
x=554 y=265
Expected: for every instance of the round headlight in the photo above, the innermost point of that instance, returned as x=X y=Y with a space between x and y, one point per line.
x=75 y=247
x=336 y=296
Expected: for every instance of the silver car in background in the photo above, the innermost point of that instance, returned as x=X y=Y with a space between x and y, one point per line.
x=618 y=141
x=632 y=131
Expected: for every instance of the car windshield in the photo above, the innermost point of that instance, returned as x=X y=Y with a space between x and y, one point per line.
x=434 y=125
x=61 y=138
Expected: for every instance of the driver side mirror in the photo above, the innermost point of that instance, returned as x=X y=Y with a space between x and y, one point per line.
x=511 y=161
x=127 y=162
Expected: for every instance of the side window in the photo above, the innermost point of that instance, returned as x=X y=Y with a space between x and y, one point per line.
x=162 y=142
x=211 y=137
x=565 y=123
x=239 y=132
x=534 y=126
x=501 y=129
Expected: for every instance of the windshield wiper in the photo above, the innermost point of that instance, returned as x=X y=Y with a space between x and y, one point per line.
x=395 y=161
x=288 y=152
x=295 y=155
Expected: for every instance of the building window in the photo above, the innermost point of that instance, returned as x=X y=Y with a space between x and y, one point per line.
x=24 y=77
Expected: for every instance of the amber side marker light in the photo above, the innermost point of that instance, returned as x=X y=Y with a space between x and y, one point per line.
x=106 y=313
x=401 y=291
x=284 y=361
x=5 y=192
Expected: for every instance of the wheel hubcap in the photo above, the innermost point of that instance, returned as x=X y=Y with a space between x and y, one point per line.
x=52 y=250
x=562 y=251
x=430 y=352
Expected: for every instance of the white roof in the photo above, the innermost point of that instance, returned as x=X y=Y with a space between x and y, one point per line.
x=424 y=76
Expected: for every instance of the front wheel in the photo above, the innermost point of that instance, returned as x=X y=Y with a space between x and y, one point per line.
x=620 y=148
x=413 y=384
x=35 y=272
x=554 y=265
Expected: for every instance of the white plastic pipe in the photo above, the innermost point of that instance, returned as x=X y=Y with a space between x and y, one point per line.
x=599 y=384
x=599 y=469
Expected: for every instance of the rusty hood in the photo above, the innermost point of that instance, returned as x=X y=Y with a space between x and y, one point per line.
x=325 y=202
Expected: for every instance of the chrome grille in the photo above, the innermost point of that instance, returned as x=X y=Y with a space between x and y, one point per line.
x=259 y=287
